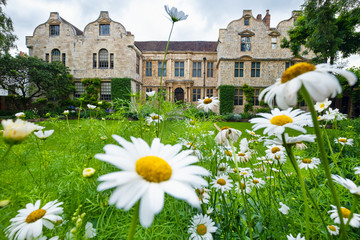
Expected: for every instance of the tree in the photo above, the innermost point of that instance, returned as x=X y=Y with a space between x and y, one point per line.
x=30 y=77
x=7 y=38
x=326 y=27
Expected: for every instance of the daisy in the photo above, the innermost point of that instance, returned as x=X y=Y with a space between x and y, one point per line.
x=203 y=195
x=276 y=121
x=28 y=224
x=147 y=172
x=91 y=106
x=252 y=133
x=309 y=163
x=244 y=145
x=257 y=182
x=243 y=156
x=290 y=140
x=321 y=106
x=347 y=183
x=153 y=118
x=354 y=222
x=222 y=183
x=20 y=115
x=16 y=132
x=88 y=172
x=245 y=186
x=334 y=115
x=66 y=112
x=298 y=237
x=275 y=151
x=225 y=134
x=333 y=230
x=44 y=135
x=175 y=16
x=317 y=80
x=150 y=94
x=300 y=145
x=201 y=227
x=223 y=168
x=357 y=170
x=208 y=103
x=284 y=209
x=90 y=231
x=246 y=172
x=344 y=141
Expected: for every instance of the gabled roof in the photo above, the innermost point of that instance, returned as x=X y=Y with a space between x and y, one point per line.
x=177 y=46
x=77 y=31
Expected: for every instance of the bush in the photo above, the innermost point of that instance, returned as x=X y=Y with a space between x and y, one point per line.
x=231 y=117
x=226 y=99
x=121 y=88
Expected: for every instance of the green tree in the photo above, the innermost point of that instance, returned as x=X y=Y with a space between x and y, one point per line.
x=29 y=77
x=7 y=38
x=326 y=27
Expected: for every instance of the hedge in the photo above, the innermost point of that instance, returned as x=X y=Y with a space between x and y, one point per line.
x=226 y=99
x=121 y=88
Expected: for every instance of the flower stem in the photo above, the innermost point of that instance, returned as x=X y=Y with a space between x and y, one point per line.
x=134 y=222
x=324 y=157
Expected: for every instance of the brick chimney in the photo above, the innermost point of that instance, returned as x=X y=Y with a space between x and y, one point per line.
x=258 y=17
x=266 y=19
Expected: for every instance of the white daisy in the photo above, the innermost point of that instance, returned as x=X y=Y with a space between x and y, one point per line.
x=333 y=230
x=201 y=227
x=28 y=224
x=290 y=140
x=243 y=156
x=225 y=134
x=354 y=222
x=244 y=145
x=91 y=106
x=208 y=103
x=344 y=141
x=20 y=115
x=284 y=209
x=317 y=80
x=174 y=14
x=246 y=172
x=257 y=182
x=276 y=121
x=321 y=106
x=276 y=152
x=88 y=172
x=334 y=115
x=245 y=186
x=222 y=183
x=252 y=133
x=90 y=231
x=147 y=172
x=66 y=112
x=44 y=135
x=16 y=132
x=357 y=170
x=222 y=168
x=203 y=195
x=308 y=163
x=347 y=183
x=300 y=145
x=298 y=237
x=153 y=118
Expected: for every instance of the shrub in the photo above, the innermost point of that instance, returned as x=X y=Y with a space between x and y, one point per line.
x=92 y=89
x=249 y=94
x=226 y=99
x=121 y=88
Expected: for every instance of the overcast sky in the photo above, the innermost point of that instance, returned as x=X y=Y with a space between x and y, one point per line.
x=147 y=19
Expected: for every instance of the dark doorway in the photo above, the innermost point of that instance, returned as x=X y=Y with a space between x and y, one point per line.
x=179 y=95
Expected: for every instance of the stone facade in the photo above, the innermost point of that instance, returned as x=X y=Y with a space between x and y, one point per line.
x=247 y=51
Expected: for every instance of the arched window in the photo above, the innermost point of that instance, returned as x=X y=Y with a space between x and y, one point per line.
x=103 y=58
x=55 y=55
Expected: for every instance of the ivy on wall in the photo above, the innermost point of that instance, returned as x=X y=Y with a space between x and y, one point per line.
x=249 y=94
x=121 y=88
x=92 y=89
x=226 y=99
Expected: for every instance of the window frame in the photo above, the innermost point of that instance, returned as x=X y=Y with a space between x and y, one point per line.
x=256 y=101
x=54 y=30
x=196 y=70
x=159 y=68
x=103 y=63
x=63 y=58
x=105 y=91
x=239 y=71
x=104 y=31
x=148 y=68
x=210 y=69
x=273 y=43
x=137 y=64
x=57 y=56
x=79 y=89
x=255 y=69
x=239 y=97
x=245 y=44
x=247 y=21
x=179 y=69
x=196 y=94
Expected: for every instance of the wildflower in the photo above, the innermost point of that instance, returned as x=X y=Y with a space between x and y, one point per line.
x=225 y=134
x=29 y=222
x=203 y=195
x=91 y=106
x=66 y=112
x=150 y=94
x=209 y=211
x=244 y=145
x=321 y=106
x=223 y=168
x=354 y=222
x=298 y=237
x=347 y=183
x=20 y=115
x=88 y=172
x=103 y=119
x=309 y=163
x=333 y=230
x=344 y=141
x=245 y=172
x=245 y=186
x=277 y=121
x=291 y=140
x=175 y=16
x=300 y=145
x=208 y=103
x=103 y=138
x=16 y=132
x=276 y=152
x=147 y=172
x=44 y=135
x=334 y=115
x=284 y=209
x=257 y=182
x=357 y=170
x=252 y=133
x=243 y=156
x=201 y=227
x=4 y=203
x=100 y=103
x=304 y=74
x=222 y=183
x=153 y=118
x=90 y=231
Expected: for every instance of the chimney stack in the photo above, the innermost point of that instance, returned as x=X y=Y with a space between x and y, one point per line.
x=258 y=17
x=266 y=19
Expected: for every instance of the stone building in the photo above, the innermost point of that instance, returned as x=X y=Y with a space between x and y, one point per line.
x=247 y=51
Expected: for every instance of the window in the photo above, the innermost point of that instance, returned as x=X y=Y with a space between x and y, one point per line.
x=179 y=69
x=288 y=64
x=94 y=60
x=105 y=91
x=55 y=55
x=47 y=57
x=238 y=97
x=148 y=89
x=245 y=44
x=196 y=69
x=137 y=88
x=255 y=69
x=196 y=94
x=54 y=30
x=239 y=69
x=103 y=58
x=79 y=89
x=256 y=97
x=246 y=21
x=64 y=58
x=111 y=60
x=137 y=64
x=273 y=43
x=104 y=29
x=210 y=69
x=159 y=69
x=209 y=92
x=148 y=71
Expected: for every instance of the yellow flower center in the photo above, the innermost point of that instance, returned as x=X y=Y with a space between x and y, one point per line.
x=343 y=140
x=221 y=181
x=201 y=229
x=296 y=70
x=35 y=215
x=242 y=186
x=224 y=128
x=207 y=101
x=221 y=169
x=281 y=120
x=252 y=133
x=244 y=173
x=191 y=145
x=275 y=149
x=306 y=160
x=153 y=169
x=332 y=228
x=345 y=212
x=241 y=154
x=155 y=117
x=192 y=122
x=228 y=153
x=255 y=181
x=322 y=105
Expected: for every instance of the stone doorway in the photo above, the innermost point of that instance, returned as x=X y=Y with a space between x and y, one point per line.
x=179 y=95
